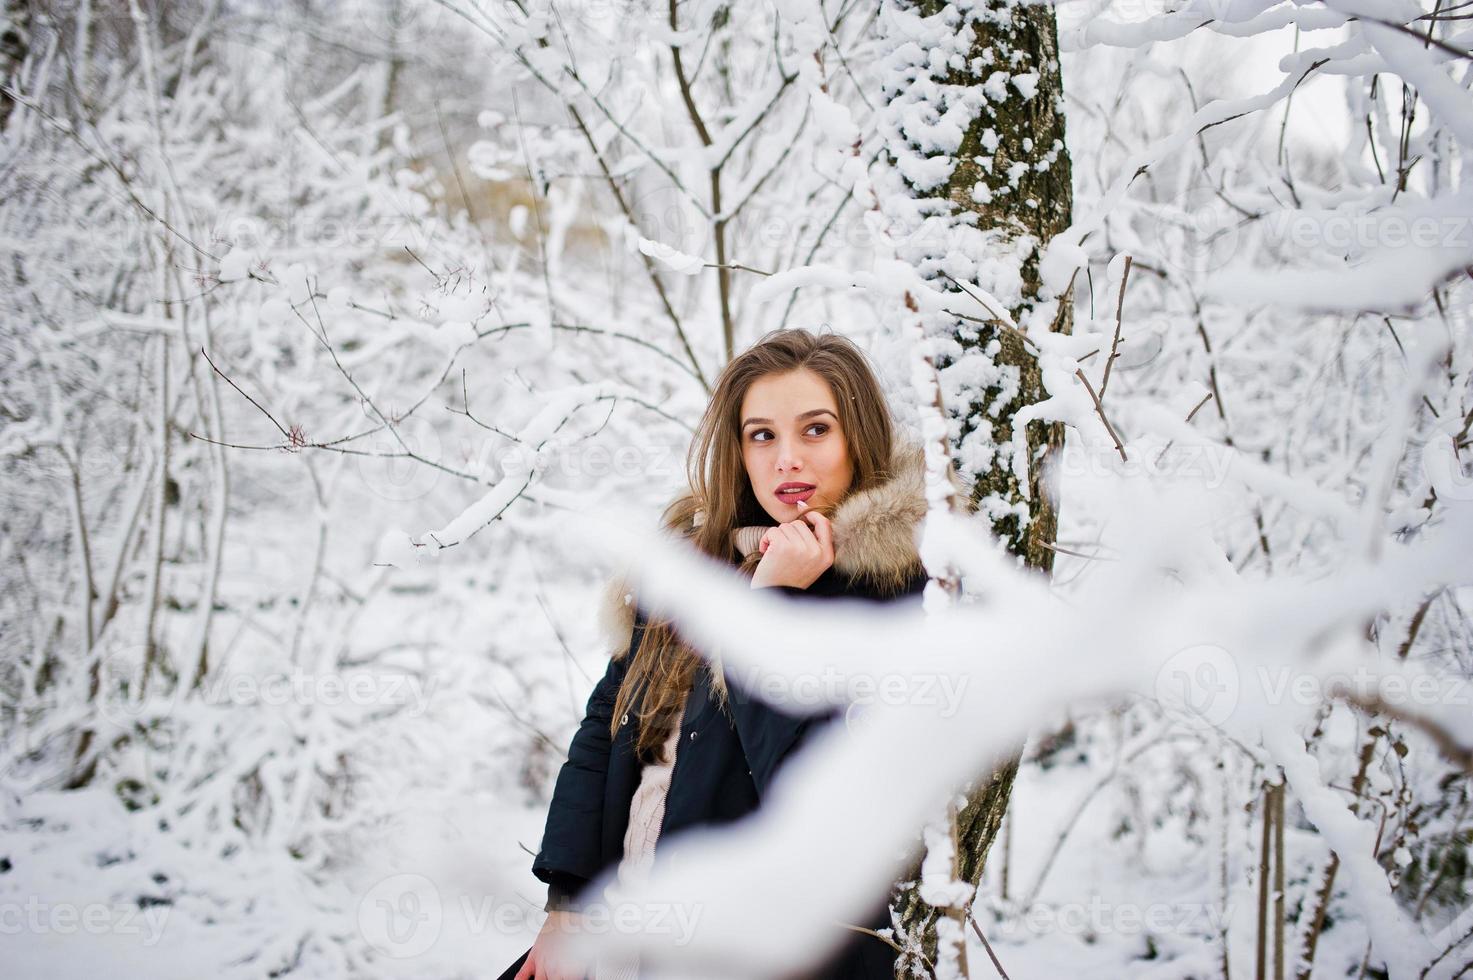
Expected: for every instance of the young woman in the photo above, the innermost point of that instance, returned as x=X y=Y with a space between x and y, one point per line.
x=798 y=480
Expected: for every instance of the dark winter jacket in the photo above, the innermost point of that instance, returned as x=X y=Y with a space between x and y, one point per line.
x=726 y=762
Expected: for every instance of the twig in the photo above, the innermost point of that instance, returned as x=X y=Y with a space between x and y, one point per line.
x=1453 y=750
x=1115 y=344
x=987 y=946
x=1100 y=409
x=1172 y=442
x=1001 y=318
x=649 y=263
x=248 y=398
x=884 y=939
x=1425 y=39
x=466 y=400
x=1076 y=554
x=718 y=225
x=536 y=208
x=738 y=266
x=580 y=328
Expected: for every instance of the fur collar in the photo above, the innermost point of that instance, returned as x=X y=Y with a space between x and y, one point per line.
x=874 y=539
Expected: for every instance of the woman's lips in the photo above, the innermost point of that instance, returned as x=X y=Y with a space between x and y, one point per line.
x=794 y=496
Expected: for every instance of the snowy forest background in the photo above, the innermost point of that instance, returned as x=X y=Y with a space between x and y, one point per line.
x=322 y=321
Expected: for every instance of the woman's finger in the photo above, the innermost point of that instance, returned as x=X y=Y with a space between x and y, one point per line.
x=823 y=530
x=782 y=537
x=798 y=532
x=806 y=540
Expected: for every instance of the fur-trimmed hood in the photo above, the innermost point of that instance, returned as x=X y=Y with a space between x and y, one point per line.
x=875 y=534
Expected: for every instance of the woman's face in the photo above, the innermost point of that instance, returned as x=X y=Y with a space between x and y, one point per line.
x=791 y=438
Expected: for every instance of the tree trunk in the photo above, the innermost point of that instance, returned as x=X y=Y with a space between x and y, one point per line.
x=1007 y=193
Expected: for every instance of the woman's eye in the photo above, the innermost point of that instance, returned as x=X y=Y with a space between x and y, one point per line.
x=822 y=426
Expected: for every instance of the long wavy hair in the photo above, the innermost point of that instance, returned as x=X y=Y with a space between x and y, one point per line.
x=720 y=498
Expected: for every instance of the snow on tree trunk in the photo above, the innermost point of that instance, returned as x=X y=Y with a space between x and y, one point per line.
x=976 y=182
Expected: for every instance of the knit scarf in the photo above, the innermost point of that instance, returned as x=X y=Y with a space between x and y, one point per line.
x=746 y=539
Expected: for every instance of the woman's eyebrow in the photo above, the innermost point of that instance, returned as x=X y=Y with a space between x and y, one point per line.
x=808 y=414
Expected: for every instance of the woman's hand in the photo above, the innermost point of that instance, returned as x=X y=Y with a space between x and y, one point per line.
x=795 y=553
x=540 y=963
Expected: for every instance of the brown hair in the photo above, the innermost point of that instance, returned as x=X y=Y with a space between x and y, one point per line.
x=721 y=496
